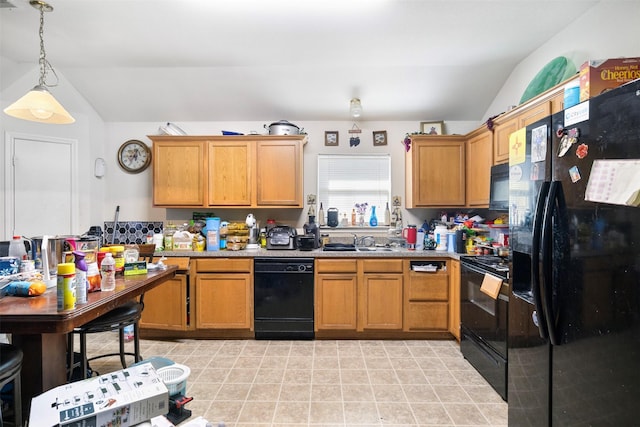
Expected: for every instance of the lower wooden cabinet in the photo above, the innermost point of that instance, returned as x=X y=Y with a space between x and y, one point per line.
x=336 y=294
x=165 y=306
x=223 y=294
x=381 y=294
x=381 y=301
x=336 y=302
x=358 y=294
x=427 y=299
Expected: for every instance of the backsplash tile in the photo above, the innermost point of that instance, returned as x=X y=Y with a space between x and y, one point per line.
x=131 y=231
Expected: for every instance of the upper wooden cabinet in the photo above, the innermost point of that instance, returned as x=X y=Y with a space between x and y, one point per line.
x=179 y=171
x=435 y=171
x=479 y=162
x=550 y=102
x=228 y=171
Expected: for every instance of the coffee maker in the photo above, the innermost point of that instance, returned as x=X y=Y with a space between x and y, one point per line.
x=254 y=232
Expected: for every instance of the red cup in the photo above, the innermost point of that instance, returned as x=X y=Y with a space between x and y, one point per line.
x=410 y=234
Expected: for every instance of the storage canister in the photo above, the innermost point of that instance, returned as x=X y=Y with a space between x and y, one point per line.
x=213 y=234
x=118 y=256
x=440 y=236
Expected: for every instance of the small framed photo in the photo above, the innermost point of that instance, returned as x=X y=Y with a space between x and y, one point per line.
x=379 y=137
x=331 y=138
x=432 y=128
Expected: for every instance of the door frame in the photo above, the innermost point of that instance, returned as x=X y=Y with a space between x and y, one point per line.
x=9 y=196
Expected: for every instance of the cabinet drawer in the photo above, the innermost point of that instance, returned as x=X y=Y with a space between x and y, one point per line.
x=428 y=316
x=181 y=262
x=336 y=266
x=429 y=286
x=382 y=265
x=224 y=265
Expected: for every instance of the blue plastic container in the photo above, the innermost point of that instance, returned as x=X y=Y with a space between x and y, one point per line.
x=213 y=234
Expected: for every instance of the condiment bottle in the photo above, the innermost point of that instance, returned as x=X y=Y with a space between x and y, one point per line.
x=387 y=215
x=321 y=216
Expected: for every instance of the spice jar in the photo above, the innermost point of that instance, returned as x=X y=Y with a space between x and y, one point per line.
x=324 y=240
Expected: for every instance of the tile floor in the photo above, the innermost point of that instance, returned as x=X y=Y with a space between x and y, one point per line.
x=325 y=382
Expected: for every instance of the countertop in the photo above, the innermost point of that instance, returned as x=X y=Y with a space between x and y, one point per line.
x=316 y=253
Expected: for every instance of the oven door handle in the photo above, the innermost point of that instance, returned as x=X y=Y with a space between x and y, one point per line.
x=477 y=270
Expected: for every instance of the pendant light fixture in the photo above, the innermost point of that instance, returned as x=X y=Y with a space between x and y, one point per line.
x=39 y=105
x=355 y=107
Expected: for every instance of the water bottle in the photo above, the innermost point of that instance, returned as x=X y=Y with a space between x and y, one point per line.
x=17 y=249
x=108 y=268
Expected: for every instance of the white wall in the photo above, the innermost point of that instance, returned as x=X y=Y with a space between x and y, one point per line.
x=608 y=30
x=88 y=130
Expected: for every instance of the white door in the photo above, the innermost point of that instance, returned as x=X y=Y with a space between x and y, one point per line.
x=41 y=196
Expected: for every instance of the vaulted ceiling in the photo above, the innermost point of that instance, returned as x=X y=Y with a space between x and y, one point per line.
x=221 y=60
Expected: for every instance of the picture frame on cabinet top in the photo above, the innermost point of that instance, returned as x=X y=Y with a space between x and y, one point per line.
x=331 y=138
x=379 y=137
x=432 y=128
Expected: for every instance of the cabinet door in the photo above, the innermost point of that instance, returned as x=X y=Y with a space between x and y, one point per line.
x=479 y=161
x=223 y=301
x=427 y=316
x=435 y=172
x=454 y=299
x=336 y=302
x=381 y=302
x=279 y=173
x=533 y=114
x=165 y=306
x=230 y=169
x=501 y=134
x=179 y=173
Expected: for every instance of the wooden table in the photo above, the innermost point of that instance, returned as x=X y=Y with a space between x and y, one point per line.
x=40 y=330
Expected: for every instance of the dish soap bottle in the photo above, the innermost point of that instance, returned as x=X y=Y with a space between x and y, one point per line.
x=373 y=220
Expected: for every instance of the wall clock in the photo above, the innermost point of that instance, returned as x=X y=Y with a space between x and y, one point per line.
x=134 y=156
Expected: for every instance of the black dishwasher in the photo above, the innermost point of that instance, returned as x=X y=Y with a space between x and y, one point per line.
x=283 y=298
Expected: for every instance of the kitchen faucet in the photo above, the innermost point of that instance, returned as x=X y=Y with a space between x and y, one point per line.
x=360 y=241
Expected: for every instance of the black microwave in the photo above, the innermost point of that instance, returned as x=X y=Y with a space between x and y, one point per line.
x=499 y=190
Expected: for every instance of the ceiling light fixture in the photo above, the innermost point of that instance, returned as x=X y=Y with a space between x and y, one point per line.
x=355 y=107
x=39 y=105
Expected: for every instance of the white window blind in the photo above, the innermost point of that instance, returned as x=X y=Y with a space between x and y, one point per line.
x=344 y=181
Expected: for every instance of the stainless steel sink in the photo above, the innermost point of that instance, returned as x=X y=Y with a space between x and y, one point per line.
x=374 y=249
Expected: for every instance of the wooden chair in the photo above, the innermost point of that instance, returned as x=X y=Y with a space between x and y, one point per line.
x=117 y=319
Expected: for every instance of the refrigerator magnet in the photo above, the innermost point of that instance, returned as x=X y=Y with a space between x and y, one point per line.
x=582 y=150
x=574 y=173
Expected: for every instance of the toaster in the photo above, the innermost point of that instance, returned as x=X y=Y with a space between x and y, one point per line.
x=281 y=237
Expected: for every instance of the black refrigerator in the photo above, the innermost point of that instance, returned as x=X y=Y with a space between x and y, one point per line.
x=574 y=304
